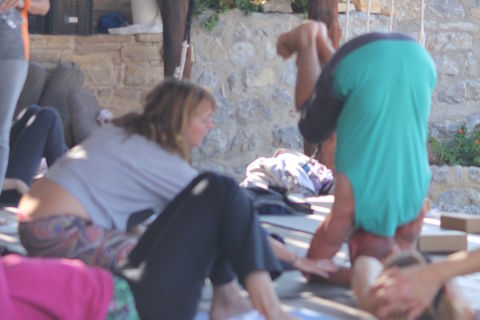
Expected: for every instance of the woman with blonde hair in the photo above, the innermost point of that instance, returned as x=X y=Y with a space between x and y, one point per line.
x=90 y=200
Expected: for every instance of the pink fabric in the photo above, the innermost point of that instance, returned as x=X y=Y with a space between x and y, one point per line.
x=42 y=288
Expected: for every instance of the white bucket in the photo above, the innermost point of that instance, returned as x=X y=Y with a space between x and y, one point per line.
x=145 y=12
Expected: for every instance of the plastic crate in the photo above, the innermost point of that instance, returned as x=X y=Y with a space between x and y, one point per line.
x=70 y=17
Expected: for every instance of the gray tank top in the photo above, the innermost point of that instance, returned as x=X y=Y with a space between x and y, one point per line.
x=113 y=175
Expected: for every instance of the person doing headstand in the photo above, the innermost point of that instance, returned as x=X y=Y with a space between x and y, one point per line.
x=375 y=92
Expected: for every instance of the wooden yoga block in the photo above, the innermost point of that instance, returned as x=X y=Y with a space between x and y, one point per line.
x=461 y=222
x=342 y=7
x=362 y=5
x=442 y=241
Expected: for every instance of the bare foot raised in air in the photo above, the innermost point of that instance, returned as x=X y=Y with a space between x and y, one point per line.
x=298 y=39
x=310 y=35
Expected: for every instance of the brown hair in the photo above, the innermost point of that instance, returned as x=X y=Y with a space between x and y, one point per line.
x=167 y=112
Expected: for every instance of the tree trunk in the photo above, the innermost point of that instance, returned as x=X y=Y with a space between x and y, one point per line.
x=327 y=12
x=175 y=16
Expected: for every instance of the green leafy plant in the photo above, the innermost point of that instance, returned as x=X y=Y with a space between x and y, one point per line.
x=247 y=6
x=464 y=150
x=299 y=6
x=210 y=22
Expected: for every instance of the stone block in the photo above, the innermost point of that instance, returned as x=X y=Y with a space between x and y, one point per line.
x=258 y=76
x=142 y=75
x=46 y=57
x=252 y=111
x=89 y=48
x=470 y=65
x=105 y=38
x=450 y=41
x=443 y=241
x=210 y=49
x=270 y=50
x=149 y=38
x=282 y=6
x=208 y=78
x=474 y=174
x=58 y=42
x=287 y=137
x=446 y=8
x=215 y=144
x=289 y=75
x=224 y=109
x=243 y=32
x=98 y=70
x=362 y=5
x=141 y=54
x=473 y=122
x=440 y=174
x=242 y=52
x=447 y=66
x=282 y=97
x=453 y=94
x=472 y=90
x=460 y=222
x=246 y=141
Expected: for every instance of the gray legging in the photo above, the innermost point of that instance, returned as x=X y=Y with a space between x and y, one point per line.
x=14 y=73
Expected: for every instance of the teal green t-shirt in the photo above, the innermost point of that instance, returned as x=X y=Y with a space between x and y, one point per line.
x=384 y=88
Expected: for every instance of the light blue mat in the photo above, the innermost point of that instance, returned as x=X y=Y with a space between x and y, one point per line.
x=303 y=314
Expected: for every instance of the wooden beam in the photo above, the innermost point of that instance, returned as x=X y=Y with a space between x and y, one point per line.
x=175 y=16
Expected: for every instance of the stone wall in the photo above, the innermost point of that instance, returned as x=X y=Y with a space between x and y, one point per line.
x=254 y=87
x=456 y=189
x=120 y=70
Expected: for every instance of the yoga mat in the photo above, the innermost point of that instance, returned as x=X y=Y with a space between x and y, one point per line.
x=304 y=314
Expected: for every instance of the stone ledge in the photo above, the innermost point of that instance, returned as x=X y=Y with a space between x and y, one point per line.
x=455 y=189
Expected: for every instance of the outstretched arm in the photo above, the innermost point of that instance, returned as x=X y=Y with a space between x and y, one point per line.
x=417 y=286
x=318 y=267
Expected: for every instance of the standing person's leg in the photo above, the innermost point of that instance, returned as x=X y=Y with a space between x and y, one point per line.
x=211 y=219
x=16 y=72
x=313 y=47
x=407 y=235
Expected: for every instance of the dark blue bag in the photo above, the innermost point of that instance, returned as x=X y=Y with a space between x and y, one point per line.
x=111 y=20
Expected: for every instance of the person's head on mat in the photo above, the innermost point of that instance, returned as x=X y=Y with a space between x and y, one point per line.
x=446 y=305
x=177 y=116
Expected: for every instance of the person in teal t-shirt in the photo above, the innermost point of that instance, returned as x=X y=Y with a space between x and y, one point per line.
x=375 y=92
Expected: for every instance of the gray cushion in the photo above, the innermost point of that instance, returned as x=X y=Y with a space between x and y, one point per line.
x=33 y=87
x=63 y=79
x=83 y=107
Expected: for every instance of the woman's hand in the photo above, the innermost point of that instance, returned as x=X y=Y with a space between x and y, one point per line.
x=408 y=290
x=6 y=5
x=320 y=267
